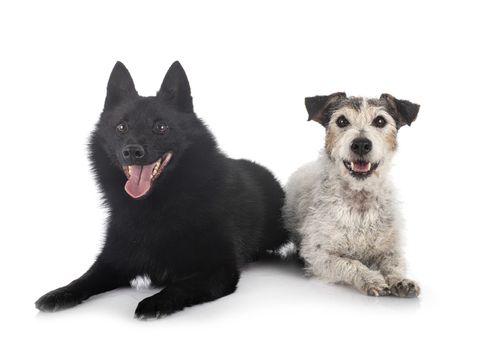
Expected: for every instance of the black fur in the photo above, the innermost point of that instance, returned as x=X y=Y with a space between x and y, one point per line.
x=204 y=217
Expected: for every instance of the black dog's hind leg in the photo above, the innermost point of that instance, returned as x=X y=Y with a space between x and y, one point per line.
x=201 y=288
x=98 y=279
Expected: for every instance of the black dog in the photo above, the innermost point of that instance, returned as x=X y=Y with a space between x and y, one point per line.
x=181 y=213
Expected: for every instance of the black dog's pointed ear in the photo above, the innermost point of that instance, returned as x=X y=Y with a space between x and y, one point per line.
x=404 y=112
x=120 y=86
x=319 y=107
x=176 y=89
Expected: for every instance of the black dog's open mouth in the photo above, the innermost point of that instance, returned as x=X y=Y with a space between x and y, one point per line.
x=141 y=177
x=360 y=168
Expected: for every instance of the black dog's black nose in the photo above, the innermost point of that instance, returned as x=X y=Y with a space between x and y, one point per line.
x=361 y=146
x=133 y=152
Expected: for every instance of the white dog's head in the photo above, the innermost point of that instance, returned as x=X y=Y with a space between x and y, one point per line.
x=361 y=133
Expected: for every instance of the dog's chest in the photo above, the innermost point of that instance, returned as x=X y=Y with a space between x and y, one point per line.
x=360 y=227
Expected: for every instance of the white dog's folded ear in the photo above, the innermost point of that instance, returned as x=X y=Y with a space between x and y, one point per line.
x=404 y=112
x=319 y=108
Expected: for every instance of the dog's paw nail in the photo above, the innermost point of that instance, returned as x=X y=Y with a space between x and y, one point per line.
x=378 y=290
x=155 y=308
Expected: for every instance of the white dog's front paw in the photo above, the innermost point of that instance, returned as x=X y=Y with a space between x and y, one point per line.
x=377 y=289
x=405 y=288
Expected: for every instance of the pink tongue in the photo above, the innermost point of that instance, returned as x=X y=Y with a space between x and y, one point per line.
x=360 y=167
x=139 y=182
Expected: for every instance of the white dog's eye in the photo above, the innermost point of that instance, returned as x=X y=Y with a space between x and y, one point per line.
x=342 y=121
x=379 y=121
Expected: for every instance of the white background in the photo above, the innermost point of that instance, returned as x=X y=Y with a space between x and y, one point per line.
x=250 y=66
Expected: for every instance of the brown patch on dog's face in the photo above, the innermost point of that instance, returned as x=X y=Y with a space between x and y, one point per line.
x=391 y=140
x=330 y=139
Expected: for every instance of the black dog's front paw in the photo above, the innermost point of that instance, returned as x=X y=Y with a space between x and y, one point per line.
x=156 y=307
x=58 y=299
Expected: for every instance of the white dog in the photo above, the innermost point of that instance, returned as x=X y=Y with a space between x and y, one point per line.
x=341 y=208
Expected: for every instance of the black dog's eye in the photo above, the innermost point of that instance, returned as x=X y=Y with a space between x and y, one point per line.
x=160 y=127
x=379 y=121
x=122 y=127
x=342 y=121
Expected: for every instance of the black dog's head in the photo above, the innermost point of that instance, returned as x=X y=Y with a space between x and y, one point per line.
x=146 y=136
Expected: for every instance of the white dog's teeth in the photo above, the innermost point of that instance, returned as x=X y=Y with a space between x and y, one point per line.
x=351 y=165
x=369 y=166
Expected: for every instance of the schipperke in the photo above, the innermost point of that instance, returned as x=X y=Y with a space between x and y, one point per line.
x=182 y=215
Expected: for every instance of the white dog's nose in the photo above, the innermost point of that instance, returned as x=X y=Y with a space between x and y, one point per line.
x=361 y=146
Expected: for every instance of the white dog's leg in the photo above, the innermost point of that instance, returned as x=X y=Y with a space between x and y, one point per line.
x=392 y=267
x=334 y=268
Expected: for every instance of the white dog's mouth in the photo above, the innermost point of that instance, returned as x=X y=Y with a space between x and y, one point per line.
x=360 y=168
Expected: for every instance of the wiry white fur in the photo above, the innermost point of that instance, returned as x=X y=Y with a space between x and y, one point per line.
x=346 y=229
x=141 y=282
